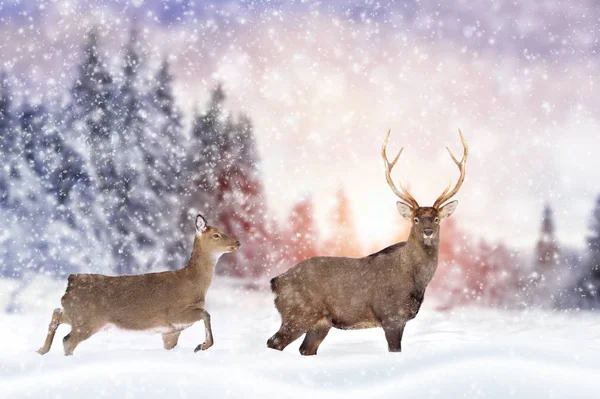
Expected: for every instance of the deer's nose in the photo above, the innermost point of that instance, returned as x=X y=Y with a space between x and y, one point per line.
x=238 y=243
x=428 y=232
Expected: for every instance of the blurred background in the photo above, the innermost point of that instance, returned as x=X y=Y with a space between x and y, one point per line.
x=121 y=120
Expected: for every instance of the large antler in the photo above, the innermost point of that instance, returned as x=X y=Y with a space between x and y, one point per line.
x=404 y=195
x=446 y=195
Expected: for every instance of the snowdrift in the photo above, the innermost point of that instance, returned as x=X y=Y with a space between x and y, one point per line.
x=468 y=353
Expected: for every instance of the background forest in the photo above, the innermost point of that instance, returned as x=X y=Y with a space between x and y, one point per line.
x=105 y=173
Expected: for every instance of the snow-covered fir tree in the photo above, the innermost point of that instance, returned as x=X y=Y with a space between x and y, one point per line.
x=165 y=152
x=227 y=186
x=540 y=284
x=586 y=293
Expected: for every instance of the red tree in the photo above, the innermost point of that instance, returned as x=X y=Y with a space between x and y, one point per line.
x=302 y=234
x=344 y=241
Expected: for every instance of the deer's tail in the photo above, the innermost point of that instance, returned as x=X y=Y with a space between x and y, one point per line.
x=274 y=284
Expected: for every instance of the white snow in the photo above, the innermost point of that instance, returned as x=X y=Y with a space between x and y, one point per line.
x=466 y=353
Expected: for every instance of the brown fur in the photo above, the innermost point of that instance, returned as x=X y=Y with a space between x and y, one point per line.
x=167 y=302
x=384 y=289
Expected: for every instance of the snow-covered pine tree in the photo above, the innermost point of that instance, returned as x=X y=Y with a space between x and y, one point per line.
x=207 y=153
x=85 y=144
x=587 y=290
x=8 y=146
x=12 y=193
x=91 y=125
x=91 y=113
x=167 y=173
x=164 y=146
x=26 y=197
x=203 y=160
x=58 y=165
x=241 y=201
x=541 y=282
x=136 y=205
x=63 y=210
x=226 y=184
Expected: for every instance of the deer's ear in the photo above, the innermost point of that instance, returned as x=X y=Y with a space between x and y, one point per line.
x=200 y=224
x=405 y=210
x=448 y=209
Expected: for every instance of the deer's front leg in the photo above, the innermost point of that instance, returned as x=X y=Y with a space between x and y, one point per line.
x=205 y=316
x=393 y=335
x=192 y=315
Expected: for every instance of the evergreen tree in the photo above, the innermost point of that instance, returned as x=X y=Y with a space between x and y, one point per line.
x=203 y=161
x=164 y=153
x=208 y=155
x=85 y=144
x=27 y=198
x=8 y=147
x=110 y=173
x=9 y=176
x=240 y=201
x=164 y=149
x=587 y=290
x=89 y=125
x=134 y=211
x=538 y=287
x=547 y=249
x=92 y=113
x=226 y=184
x=6 y=117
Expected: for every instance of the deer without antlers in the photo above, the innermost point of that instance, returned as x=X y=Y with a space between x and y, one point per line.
x=167 y=302
x=384 y=289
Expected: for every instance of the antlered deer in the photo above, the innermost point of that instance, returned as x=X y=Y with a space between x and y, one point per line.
x=167 y=302
x=384 y=289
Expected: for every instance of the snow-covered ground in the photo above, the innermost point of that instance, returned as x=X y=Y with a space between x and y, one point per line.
x=465 y=353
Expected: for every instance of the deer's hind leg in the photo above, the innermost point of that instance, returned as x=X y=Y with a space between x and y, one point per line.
x=291 y=329
x=314 y=337
x=57 y=319
x=170 y=340
x=80 y=331
x=288 y=333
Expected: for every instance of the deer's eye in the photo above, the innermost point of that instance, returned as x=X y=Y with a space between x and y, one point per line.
x=416 y=220
x=436 y=220
x=216 y=236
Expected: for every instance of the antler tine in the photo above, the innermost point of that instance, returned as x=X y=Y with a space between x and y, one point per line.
x=445 y=196
x=404 y=195
x=447 y=188
x=412 y=199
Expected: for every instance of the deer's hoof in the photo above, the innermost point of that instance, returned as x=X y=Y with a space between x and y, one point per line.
x=202 y=347
x=306 y=352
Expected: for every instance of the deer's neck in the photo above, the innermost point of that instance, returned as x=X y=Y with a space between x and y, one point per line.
x=422 y=258
x=202 y=263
